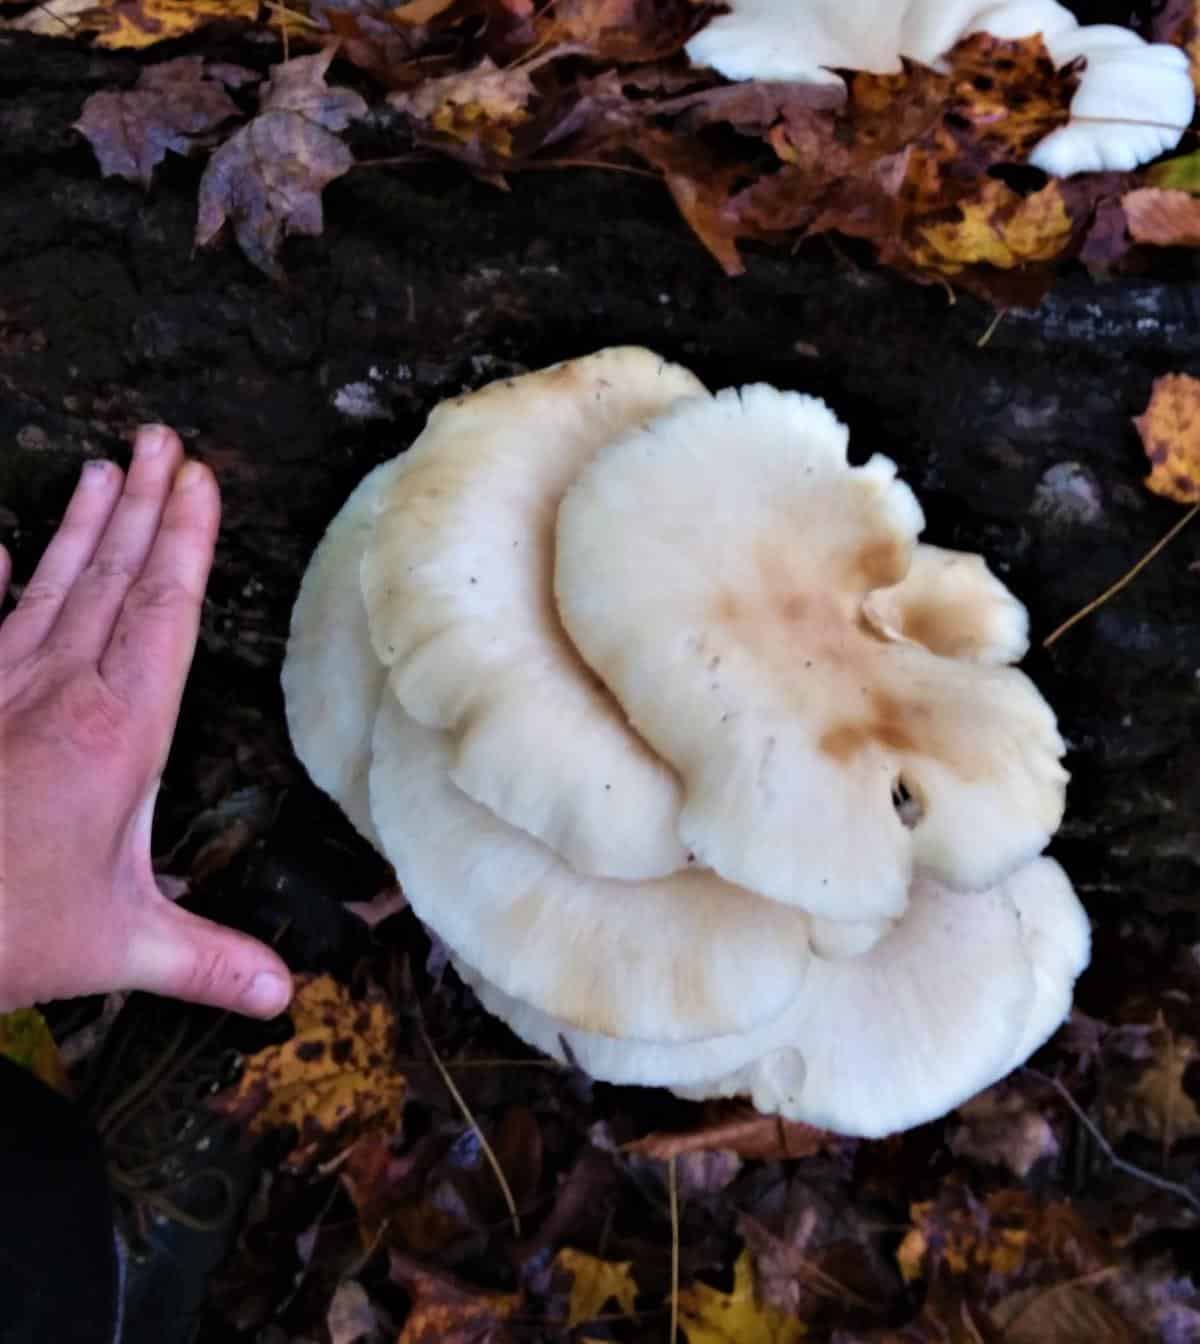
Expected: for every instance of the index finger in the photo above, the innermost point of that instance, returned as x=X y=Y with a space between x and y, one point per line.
x=147 y=659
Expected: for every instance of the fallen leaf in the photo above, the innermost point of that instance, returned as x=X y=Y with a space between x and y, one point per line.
x=737 y=1317
x=171 y=104
x=740 y=1130
x=26 y=1040
x=997 y=1240
x=386 y=902
x=620 y=30
x=446 y=1310
x=352 y=1318
x=1179 y=174
x=1165 y=218
x=333 y=1079
x=131 y=23
x=595 y=1282
x=268 y=177
x=1064 y=1313
x=1170 y=433
x=997 y=228
x=479 y=107
x=1003 y=1127
x=1158 y=1106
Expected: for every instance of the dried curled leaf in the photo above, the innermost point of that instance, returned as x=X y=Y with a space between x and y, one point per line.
x=1170 y=432
x=741 y=1130
x=711 y=1317
x=595 y=1282
x=447 y=1311
x=171 y=104
x=335 y=1077
x=267 y=179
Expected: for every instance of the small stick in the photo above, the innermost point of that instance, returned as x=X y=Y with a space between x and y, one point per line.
x=493 y=1161
x=673 y=1200
x=1126 y=578
x=1129 y=1168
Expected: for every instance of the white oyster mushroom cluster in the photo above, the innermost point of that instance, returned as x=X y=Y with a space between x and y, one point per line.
x=708 y=773
x=1134 y=100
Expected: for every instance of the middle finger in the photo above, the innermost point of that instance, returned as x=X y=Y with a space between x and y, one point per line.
x=88 y=615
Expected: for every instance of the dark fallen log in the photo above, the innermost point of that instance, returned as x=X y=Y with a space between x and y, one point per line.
x=426 y=282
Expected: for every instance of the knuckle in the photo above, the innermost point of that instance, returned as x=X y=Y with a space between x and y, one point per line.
x=212 y=970
x=110 y=569
x=41 y=593
x=158 y=596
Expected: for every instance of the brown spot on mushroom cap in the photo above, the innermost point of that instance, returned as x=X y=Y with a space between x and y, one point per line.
x=888 y=726
x=879 y=564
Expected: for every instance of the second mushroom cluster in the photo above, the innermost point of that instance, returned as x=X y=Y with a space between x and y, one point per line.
x=709 y=774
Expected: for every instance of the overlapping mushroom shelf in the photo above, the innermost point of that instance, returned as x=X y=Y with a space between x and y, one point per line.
x=697 y=760
x=1133 y=102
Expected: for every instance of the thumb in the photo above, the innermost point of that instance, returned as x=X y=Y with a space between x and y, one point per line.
x=182 y=956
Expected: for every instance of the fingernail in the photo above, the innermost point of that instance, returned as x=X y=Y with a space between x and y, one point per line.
x=191 y=475
x=151 y=440
x=95 y=471
x=267 y=995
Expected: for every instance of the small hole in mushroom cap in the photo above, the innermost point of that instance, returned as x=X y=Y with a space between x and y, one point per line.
x=909 y=807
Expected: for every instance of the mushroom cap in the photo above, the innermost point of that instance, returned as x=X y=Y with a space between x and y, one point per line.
x=676 y=959
x=805 y=43
x=332 y=681
x=1133 y=102
x=950 y=603
x=458 y=586
x=955 y=996
x=729 y=626
x=1058 y=940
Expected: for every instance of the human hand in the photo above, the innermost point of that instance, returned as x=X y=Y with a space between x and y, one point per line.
x=93 y=660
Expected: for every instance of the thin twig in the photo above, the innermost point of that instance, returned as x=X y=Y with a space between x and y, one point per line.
x=673 y=1201
x=460 y=1100
x=1126 y=578
x=1129 y=1168
x=1001 y=313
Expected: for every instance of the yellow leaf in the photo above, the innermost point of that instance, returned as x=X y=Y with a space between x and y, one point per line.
x=998 y=228
x=26 y=1040
x=132 y=23
x=595 y=1282
x=1159 y=1106
x=483 y=105
x=1170 y=432
x=335 y=1075
x=739 y=1317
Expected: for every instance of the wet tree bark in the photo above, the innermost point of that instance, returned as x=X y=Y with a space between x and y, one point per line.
x=426 y=282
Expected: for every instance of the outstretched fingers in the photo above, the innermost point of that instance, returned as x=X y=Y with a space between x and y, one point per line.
x=64 y=560
x=98 y=595
x=148 y=655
